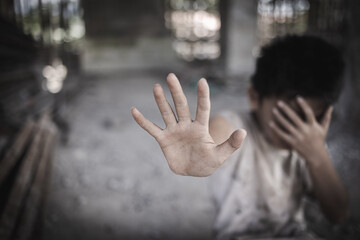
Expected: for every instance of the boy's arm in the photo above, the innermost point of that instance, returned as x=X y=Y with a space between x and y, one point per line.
x=187 y=144
x=308 y=139
x=220 y=129
x=328 y=188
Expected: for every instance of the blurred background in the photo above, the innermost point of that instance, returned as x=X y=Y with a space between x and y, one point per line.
x=73 y=163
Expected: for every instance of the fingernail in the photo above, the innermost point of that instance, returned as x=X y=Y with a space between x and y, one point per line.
x=280 y=103
x=300 y=99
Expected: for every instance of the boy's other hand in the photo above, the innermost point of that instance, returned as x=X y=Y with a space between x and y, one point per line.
x=306 y=137
x=187 y=145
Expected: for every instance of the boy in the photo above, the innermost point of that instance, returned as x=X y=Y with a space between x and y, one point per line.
x=259 y=190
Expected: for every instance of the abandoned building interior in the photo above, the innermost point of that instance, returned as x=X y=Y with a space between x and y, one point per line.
x=73 y=162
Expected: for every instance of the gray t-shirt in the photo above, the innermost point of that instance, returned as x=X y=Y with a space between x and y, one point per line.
x=259 y=190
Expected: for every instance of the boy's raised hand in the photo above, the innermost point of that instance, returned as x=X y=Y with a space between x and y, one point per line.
x=187 y=145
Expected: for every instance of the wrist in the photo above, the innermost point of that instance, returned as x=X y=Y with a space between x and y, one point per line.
x=317 y=158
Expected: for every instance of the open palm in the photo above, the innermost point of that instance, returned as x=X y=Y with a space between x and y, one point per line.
x=187 y=145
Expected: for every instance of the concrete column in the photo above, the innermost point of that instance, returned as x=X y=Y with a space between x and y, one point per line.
x=241 y=38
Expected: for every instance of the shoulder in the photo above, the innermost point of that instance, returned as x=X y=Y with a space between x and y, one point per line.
x=223 y=124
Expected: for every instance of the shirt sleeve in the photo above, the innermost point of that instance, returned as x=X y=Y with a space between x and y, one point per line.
x=233 y=118
x=221 y=180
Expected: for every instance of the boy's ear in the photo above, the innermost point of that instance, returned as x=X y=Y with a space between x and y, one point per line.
x=253 y=98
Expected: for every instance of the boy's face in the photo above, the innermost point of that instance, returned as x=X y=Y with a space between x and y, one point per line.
x=264 y=113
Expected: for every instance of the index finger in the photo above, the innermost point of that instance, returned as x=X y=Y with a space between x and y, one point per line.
x=291 y=114
x=309 y=114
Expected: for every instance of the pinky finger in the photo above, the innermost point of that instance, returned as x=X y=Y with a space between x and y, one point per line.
x=286 y=137
x=147 y=125
x=325 y=122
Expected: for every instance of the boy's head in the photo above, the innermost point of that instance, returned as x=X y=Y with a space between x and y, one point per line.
x=295 y=66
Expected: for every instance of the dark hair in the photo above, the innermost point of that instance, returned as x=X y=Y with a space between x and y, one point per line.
x=299 y=65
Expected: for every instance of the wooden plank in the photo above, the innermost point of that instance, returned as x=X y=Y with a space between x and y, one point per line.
x=25 y=73
x=38 y=230
x=12 y=155
x=34 y=203
x=21 y=184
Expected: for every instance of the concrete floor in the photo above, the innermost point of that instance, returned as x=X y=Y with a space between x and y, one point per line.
x=111 y=180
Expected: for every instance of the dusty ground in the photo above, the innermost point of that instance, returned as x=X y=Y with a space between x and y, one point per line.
x=111 y=180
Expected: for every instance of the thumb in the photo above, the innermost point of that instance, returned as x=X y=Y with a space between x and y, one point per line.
x=225 y=149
